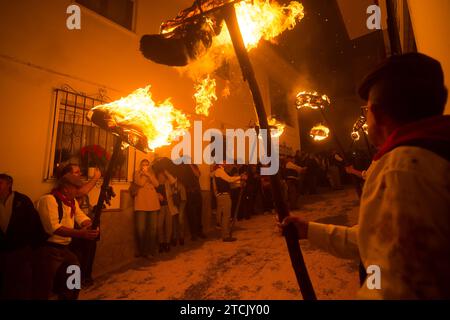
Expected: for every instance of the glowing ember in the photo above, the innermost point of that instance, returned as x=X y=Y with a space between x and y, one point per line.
x=365 y=127
x=355 y=135
x=205 y=95
x=319 y=132
x=312 y=100
x=360 y=124
x=161 y=123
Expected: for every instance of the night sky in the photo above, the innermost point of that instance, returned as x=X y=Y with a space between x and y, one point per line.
x=328 y=61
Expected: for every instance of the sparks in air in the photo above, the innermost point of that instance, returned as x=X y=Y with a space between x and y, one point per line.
x=160 y=123
x=205 y=95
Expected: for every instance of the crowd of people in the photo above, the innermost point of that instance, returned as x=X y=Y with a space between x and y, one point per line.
x=404 y=233
x=46 y=237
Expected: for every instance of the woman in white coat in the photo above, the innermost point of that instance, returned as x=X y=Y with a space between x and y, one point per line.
x=146 y=208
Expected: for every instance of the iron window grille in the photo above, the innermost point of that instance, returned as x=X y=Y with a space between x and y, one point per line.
x=77 y=140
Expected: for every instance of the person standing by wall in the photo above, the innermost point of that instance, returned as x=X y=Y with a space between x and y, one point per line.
x=146 y=208
x=18 y=226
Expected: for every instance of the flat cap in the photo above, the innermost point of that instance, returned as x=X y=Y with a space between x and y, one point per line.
x=404 y=69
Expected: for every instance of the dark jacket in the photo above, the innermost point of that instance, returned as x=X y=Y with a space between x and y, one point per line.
x=23 y=228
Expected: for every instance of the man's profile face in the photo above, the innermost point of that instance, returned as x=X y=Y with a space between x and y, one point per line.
x=71 y=191
x=375 y=132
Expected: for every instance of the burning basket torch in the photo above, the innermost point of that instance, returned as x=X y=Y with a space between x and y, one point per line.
x=138 y=122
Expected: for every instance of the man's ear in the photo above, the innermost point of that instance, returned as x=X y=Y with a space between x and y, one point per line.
x=378 y=114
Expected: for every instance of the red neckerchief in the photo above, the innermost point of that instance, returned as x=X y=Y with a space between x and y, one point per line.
x=429 y=129
x=68 y=202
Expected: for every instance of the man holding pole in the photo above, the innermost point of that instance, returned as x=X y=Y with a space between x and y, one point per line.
x=58 y=212
x=222 y=188
x=404 y=222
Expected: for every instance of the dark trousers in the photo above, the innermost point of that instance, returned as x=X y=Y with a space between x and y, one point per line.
x=267 y=198
x=292 y=185
x=85 y=252
x=194 y=212
x=50 y=272
x=234 y=194
x=247 y=208
x=16 y=274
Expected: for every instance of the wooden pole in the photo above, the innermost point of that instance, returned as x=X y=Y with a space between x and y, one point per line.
x=97 y=211
x=292 y=242
x=394 y=35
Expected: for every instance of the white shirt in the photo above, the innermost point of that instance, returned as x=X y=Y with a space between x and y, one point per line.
x=48 y=212
x=6 y=212
x=169 y=185
x=404 y=226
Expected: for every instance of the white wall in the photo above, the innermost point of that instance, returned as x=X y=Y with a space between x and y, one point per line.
x=38 y=54
x=431 y=24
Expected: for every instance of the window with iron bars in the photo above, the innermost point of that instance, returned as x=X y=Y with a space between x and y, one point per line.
x=77 y=140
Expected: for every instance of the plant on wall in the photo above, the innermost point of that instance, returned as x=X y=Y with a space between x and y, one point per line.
x=94 y=156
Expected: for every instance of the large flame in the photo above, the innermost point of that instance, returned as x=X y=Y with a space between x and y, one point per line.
x=258 y=19
x=319 y=132
x=205 y=95
x=160 y=123
x=262 y=19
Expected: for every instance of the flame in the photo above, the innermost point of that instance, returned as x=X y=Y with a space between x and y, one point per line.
x=312 y=100
x=160 y=123
x=319 y=132
x=205 y=95
x=276 y=127
x=257 y=19
x=263 y=19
